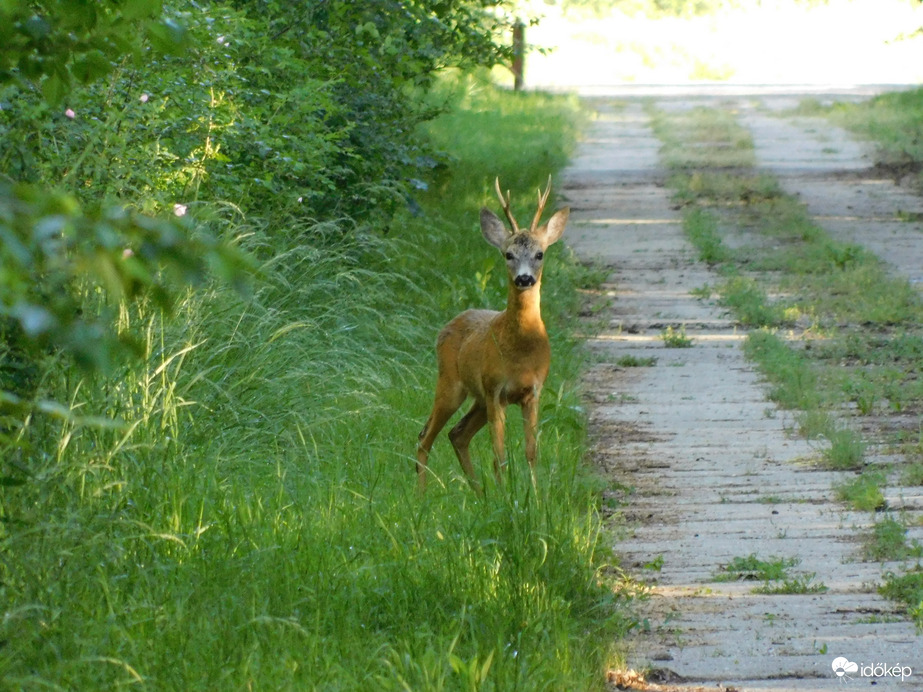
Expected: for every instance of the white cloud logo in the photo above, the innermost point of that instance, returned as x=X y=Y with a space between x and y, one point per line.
x=842 y=666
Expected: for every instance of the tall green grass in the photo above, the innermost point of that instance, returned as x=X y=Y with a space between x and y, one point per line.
x=252 y=522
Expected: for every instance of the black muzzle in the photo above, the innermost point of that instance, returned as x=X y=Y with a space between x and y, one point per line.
x=524 y=281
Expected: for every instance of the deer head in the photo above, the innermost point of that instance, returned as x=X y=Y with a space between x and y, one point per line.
x=524 y=250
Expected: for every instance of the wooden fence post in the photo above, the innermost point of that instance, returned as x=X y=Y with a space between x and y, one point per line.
x=519 y=53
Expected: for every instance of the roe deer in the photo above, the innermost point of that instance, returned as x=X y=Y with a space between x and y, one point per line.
x=497 y=358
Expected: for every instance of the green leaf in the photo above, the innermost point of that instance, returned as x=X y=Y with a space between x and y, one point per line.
x=36 y=28
x=53 y=88
x=91 y=67
x=141 y=9
x=76 y=15
x=10 y=481
x=168 y=36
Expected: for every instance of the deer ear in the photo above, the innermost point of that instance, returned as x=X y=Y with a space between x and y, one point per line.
x=493 y=229
x=552 y=231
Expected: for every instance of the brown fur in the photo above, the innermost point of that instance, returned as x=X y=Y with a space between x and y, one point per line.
x=495 y=358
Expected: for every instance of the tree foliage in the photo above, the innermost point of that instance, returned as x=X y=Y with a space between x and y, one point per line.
x=54 y=44
x=131 y=129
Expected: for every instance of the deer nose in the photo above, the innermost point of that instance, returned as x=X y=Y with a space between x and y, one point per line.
x=524 y=281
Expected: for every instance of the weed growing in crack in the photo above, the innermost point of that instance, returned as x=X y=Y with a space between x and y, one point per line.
x=794 y=382
x=750 y=304
x=675 y=338
x=774 y=573
x=906 y=589
x=770 y=500
x=863 y=492
x=846 y=450
x=815 y=423
x=913 y=474
x=702 y=228
x=752 y=568
x=800 y=584
x=888 y=541
x=656 y=564
x=631 y=361
x=704 y=292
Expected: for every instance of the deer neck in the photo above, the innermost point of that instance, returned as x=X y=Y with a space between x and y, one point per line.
x=523 y=310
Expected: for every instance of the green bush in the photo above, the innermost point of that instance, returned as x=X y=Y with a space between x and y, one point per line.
x=133 y=134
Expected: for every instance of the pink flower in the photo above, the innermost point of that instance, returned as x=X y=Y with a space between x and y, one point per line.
x=127 y=252
x=70 y=113
x=179 y=209
x=144 y=98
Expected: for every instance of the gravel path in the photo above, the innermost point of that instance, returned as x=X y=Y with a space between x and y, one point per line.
x=706 y=466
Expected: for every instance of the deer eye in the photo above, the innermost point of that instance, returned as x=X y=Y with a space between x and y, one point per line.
x=509 y=256
x=539 y=255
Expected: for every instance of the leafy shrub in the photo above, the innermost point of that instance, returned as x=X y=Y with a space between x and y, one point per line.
x=140 y=127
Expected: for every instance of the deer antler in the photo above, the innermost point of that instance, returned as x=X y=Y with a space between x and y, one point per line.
x=542 y=199
x=505 y=203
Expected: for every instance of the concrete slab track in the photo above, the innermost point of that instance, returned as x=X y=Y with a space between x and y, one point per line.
x=708 y=468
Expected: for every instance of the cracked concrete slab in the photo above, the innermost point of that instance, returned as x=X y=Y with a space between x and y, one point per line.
x=703 y=467
x=835 y=177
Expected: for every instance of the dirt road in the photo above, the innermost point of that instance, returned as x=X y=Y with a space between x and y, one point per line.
x=706 y=468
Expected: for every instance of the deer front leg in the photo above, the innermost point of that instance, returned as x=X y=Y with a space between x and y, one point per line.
x=530 y=424
x=496 y=416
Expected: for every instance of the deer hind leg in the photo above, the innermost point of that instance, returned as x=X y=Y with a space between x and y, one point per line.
x=449 y=396
x=461 y=435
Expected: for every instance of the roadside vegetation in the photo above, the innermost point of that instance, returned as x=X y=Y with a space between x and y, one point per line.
x=207 y=445
x=775 y=573
x=838 y=339
x=894 y=122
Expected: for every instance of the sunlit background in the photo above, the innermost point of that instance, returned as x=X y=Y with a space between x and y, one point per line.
x=598 y=43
